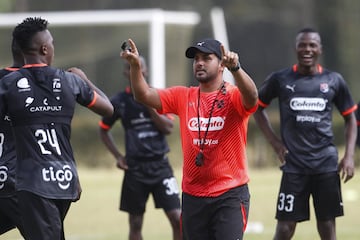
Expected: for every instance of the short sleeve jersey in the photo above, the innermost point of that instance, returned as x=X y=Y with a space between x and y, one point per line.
x=224 y=163
x=143 y=140
x=7 y=151
x=40 y=102
x=306 y=103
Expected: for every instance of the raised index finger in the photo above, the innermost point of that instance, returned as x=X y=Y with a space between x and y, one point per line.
x=133 y=46
x=222 y=48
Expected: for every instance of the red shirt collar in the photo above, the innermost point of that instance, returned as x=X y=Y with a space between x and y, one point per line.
x=319 y=68
x=35 y=65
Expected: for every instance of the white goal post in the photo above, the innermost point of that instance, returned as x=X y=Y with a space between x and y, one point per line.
x=156 y=18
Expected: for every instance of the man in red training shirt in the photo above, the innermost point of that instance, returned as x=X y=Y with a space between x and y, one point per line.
x=213 y=121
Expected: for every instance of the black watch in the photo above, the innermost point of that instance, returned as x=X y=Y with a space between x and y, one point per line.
x=237 y=67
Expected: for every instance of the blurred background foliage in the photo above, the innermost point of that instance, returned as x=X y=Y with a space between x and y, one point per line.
x=261 y=31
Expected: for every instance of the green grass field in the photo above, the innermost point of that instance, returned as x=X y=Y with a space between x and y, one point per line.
x=96 y=215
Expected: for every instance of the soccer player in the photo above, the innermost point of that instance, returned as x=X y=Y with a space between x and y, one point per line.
x=307 y=93
x=9 y=211
x=146 y=166
x=213 y=122
x=40 y=102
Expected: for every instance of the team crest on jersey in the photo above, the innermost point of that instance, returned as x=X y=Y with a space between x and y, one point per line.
x=23 y=85
x=220 y=103
x=56 y=85
x=324 y=87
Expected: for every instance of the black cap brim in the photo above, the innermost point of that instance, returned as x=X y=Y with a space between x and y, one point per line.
x=191 y=51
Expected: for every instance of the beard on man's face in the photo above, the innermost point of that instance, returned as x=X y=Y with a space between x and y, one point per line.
x=203 y=80
x=202 y=76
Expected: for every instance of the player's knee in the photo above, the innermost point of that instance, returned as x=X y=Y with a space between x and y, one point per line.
x=284 y=230
x=136 y=223
x=174 y=218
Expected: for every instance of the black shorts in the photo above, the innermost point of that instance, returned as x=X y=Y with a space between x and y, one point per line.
x=9 y=215
x=6 y=223
x=216 y=218
x=135 y=193
x=43 y=218
x=295 y=191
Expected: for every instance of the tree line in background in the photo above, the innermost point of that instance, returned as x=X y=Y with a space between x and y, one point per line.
x=261 y=31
